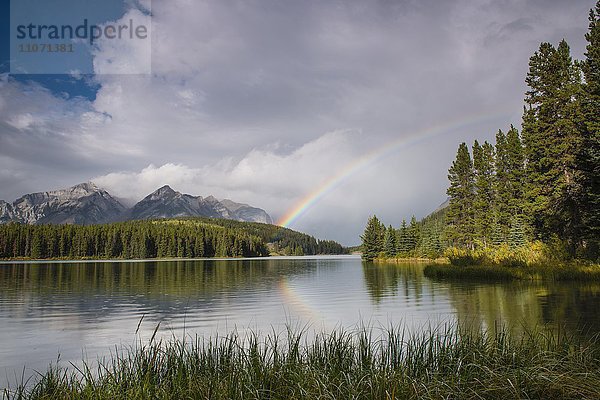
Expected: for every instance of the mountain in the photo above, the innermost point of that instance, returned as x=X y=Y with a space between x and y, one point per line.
x=7 y=212
x=81 y=204
x=86 y=204
x=445 y=204
x=167 y=203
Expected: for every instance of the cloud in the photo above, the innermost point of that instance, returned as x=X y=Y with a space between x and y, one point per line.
x=264 y=177
x=263 y=101
x=126 y=55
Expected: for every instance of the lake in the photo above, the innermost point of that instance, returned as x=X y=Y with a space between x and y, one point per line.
x=81 y=310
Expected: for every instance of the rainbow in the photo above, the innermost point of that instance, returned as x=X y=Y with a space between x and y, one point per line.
x=295 y=301
x=373 y=157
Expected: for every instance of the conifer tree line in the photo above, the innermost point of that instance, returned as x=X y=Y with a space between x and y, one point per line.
x=487 y=194
x=187 y=238
x=542 y=183
x=416 y=239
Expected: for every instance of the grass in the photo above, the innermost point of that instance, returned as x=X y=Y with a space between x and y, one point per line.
x=444 y=362
x=404 y=260
x=562 y=272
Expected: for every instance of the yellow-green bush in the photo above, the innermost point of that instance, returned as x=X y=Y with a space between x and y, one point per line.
x=463 y=257
x=532 y=253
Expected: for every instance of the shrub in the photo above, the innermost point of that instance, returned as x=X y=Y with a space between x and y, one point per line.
x=529 y=254
x=464 y=257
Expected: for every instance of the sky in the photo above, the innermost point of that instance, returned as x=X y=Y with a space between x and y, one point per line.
x=359 y=104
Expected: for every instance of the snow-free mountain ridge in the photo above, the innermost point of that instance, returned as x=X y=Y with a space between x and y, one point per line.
x=86 y=204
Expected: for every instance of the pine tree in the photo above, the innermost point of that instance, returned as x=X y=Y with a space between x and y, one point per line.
x=414 y=235
x=502 y=183
x=372 y=244
x=589 y=157
x=484 y=198
x=389 y=242
x=461 y=192
x=515 y=161
x=517 y=232
x=552 y=133
x=199 y=246
x=403 y=241
x=498 y=236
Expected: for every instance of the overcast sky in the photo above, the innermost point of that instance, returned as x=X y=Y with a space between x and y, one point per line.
x=263 y=101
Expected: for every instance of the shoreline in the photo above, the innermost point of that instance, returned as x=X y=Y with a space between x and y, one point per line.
x=441 y=260
x=437 y=362
x=138 y=260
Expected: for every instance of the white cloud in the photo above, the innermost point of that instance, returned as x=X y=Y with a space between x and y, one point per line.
x=261 y=176
x=21 y=121
x=129 y=53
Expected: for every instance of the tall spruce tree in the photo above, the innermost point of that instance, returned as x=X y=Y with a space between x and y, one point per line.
x=484 y=198
x=502 y=185
x=389 y=242
x=414 y=235
x=372 y=239
x=403 y=241
x=461 y=192
x=552 y=133
x=515 y=159
x=589 y=157
x=517 y=236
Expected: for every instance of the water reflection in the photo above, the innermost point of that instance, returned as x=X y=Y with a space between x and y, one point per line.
x=67 y=308
x=387 y=279
x=518 y=305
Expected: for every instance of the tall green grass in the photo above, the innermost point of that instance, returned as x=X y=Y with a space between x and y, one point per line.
x=492 y=273
x=447 y=362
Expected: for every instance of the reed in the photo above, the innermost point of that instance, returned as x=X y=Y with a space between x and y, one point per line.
x=492 y=273
x=366 y=363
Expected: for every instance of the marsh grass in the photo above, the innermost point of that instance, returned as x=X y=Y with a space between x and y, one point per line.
x=558 y=272
x=444 y=362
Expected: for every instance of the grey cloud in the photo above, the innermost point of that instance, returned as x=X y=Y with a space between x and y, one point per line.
x=235 y=81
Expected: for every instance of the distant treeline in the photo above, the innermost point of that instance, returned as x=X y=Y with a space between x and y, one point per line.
x=197 y=237
x=283 y=240
x=538 y=185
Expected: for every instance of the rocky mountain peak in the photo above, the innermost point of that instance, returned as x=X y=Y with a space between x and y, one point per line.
x=164 y=192
x=86 y=187
x=86 y=203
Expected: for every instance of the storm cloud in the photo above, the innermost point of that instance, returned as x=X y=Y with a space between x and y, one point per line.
x=263 y=101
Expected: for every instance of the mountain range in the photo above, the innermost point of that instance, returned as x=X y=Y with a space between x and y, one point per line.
x=86 y=204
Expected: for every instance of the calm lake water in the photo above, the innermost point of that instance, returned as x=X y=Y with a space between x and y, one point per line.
x=84 y=309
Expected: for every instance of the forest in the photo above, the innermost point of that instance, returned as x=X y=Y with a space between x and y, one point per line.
x=532 y=194
x=181 y=238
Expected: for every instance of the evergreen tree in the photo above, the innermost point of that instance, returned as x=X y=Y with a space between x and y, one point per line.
x=517 y=232
x=484 y=199
x=389 y=242
x=552 y=135
x=589 y=157
x=515 y=161
x=193 y=237
x=461 y=192
x=414 y=235
x=498 y=236
x=403 y=240
x=372 y=244
x=502 y=183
